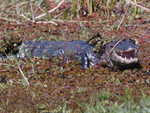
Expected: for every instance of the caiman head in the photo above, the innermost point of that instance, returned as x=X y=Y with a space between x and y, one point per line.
x=122 y=54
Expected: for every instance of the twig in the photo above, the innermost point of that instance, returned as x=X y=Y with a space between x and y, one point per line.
x=45 y=22
x=61 y=12
x=128 y=1
x=38 y=6
x=138 y=5
x=6 y=19
x=56 y=20
x=23 y=75
x=22 y=3
x=32 y=11
x=74 y=21
x=112 y=49
x=50 y=10
x=39 y=21
x=25 y=17
x=108 y=14
x=121 y=21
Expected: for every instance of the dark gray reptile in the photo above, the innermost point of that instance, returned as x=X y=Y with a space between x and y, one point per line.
x=124 y=55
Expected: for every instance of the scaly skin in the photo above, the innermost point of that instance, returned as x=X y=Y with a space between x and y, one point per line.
x=123 y=55
x=79 y=50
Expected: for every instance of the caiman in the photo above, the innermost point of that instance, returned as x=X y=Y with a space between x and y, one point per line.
x=121 y=55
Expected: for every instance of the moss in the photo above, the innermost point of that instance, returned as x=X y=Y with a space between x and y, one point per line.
x=10 y=43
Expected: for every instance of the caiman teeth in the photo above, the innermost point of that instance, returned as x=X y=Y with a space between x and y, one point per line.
x=127 y=54
x=126 y=57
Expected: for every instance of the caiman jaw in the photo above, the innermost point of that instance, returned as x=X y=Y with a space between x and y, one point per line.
x=126 y=57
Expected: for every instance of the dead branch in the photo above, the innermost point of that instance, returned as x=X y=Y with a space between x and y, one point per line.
x=60 y=3
x=121 y=21
x=23 y=75
x=18 y=5
x=129 y=1
x=32 y=11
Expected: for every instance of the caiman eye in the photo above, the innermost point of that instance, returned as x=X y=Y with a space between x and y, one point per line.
x=61 y=51
x=132 y=41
